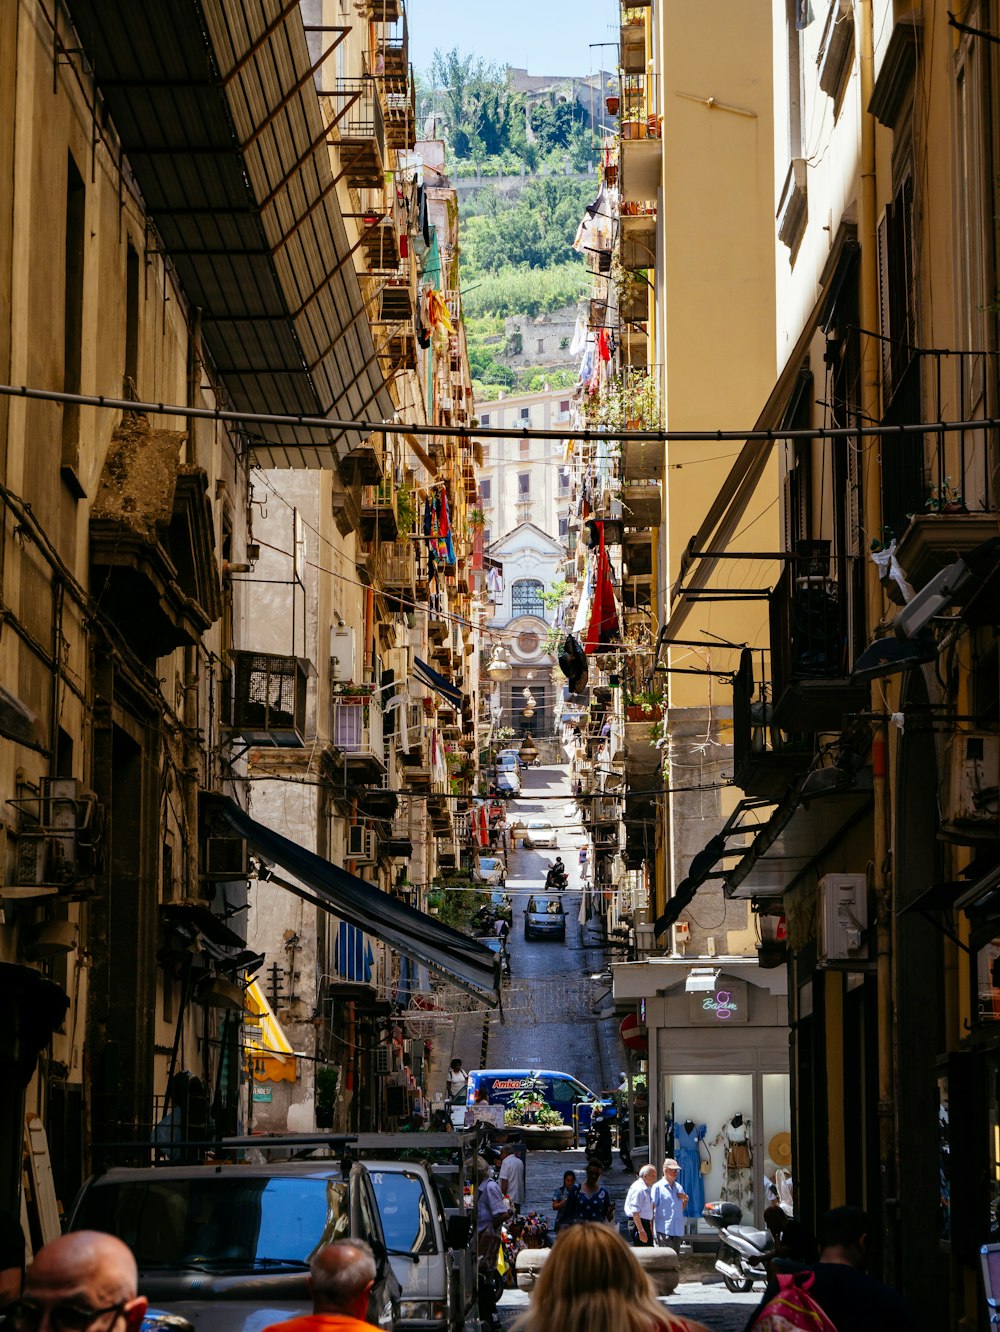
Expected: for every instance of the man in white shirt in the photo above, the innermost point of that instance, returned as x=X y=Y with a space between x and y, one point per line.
x=639 y=1209
x=512 y=1179
x=669 y=1201
x=458 y=1082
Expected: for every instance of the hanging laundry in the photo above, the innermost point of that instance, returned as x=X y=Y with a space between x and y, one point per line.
x=603 y=348
x=494 y=583
x=603 y=627
x=444 y=525
x=579 y=342
x=437 y=311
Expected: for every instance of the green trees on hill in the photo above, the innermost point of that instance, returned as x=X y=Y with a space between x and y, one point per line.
x=535 y=229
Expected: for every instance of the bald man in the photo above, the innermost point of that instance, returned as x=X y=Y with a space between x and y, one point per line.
x=341 y=1277
x=83 y=1282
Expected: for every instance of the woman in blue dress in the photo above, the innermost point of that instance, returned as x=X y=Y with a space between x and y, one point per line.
x=687 y=1149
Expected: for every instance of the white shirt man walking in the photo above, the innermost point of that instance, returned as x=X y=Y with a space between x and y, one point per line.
x=639 y=1208
x=669 y=1201
x=512 y=1179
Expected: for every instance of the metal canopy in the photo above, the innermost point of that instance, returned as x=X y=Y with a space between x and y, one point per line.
x=218 y=114
x=793 y=839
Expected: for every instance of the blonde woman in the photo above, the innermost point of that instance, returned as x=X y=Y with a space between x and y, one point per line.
x=592 y=1282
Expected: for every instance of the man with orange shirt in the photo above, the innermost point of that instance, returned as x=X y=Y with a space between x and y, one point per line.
x=341 y=1277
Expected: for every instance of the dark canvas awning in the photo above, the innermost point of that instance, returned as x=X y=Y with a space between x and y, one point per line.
x=433 y=679
x=440 y=948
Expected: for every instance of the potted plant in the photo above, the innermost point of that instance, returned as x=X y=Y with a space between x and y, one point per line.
x=946 y=498
x=612 y=102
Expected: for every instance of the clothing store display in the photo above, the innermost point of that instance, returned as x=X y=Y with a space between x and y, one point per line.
x=735 y=1139
x=687 y=1148
x=779 y=1149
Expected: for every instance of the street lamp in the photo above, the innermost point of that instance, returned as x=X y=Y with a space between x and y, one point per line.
x=527 y=751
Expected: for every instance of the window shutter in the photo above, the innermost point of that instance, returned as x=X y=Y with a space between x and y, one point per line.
x=883 y=303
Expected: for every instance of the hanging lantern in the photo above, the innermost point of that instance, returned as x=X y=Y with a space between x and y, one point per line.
x=527 y=751
x=499 y=668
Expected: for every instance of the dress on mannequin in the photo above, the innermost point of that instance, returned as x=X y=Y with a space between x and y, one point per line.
x=687 y=1139
x=737 y=1182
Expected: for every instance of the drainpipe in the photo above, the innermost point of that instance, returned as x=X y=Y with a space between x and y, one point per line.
x=881 y=876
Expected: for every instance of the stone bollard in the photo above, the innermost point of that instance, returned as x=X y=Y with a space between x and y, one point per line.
x=662 y=1266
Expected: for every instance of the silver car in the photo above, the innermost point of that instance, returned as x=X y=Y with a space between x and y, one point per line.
x=544 y=918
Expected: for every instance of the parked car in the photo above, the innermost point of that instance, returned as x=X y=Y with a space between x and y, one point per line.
x=544 y=918
x=227 y=1247
x=490 y=869
x=427 y=1229
x=561 y=1091
x=540 y=832
x=508 y=779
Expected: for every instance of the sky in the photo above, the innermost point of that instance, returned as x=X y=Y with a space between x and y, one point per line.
x=542 y=36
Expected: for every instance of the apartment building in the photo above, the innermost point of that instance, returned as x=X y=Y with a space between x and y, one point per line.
x=526 y=480
x=239 y=657
x=863 y=830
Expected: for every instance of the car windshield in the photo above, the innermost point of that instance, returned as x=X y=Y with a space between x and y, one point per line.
x=545 y=906
x=539 y=823
x=218 y=1221
x=405 y=1211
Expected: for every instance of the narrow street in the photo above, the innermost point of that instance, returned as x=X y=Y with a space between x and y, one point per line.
x=550 y=1021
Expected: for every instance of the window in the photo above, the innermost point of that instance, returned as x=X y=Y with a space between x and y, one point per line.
x=484 y=420
x=524 y=414
x=563 y=480
x=795 y=21
x=526 y=598
x=563 y=527
x=485 y=490
x=487 y=536
x=405 y=1211
x=564 y=407
x=523 y=485
x=130 y=389
x=541 y=344
x=524 y=447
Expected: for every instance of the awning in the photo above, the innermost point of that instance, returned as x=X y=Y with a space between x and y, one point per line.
x=218 y=113
x=428 y=676
x=729 y=505
x=271 y=1054
x=440 y=948
x=793 y=839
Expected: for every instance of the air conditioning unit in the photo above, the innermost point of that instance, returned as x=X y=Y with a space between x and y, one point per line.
x=843 y=917
x=225 y=858
x=57 y=844
x=360 y=842
x=342 y=654
x=970 y=801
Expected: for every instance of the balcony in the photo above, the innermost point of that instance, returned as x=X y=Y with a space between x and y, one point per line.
x=359 y=130
x=378 y=513
x=264 y=699
x=400 y=573
x=398 y=298
x=380 y=243
x=765 y=759
x=640 y=158
x=400 y=111
x=633 y=41
x=936 y=495
x=637 y=569
x=638 y=239
x=812 y=649
x=356 y=733
x=364 y=464
x=345 y=503
x=393 y=48
x=641 y=504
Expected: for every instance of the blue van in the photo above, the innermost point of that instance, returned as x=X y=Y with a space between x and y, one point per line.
x=559 y=1090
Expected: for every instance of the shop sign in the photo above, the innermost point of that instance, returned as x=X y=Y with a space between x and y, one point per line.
x=724 y=1005
x=265 y=1094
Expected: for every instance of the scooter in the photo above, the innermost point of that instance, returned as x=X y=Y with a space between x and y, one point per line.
x=744 y=1251
x=555 y=881
x=598 y=1141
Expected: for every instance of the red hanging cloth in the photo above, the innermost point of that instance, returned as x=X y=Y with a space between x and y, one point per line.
x=603 y=626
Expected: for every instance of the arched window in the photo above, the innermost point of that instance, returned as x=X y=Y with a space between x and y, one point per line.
x=526 y=598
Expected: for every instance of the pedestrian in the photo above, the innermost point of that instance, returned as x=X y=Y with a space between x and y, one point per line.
x=669 y=1201
x=11 y=1257
x=491 y=1212
x=512 y=1179
x=850 y=1298
x=589 y=1201
x=561 y=1196
x=341 y=1278
x=85 y=1281
x=501 y=929
x=458 y=1083
x=639 y=1208
x=592 y=1282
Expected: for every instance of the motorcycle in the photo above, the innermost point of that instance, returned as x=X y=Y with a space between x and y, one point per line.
x=598 y=1141
x=744 y=1251
x=555 y=882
